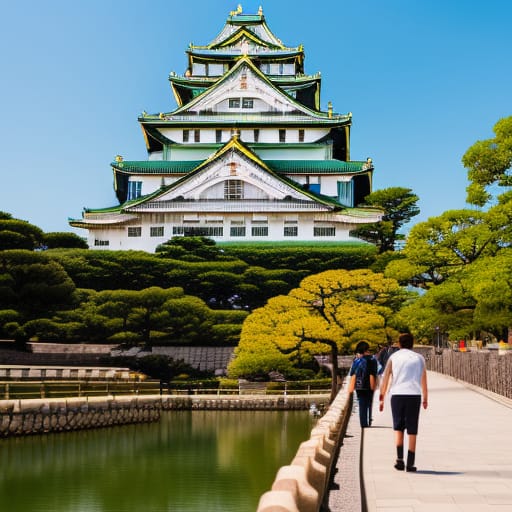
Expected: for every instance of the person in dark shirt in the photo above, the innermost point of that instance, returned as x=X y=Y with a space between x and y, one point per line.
x=363 y=379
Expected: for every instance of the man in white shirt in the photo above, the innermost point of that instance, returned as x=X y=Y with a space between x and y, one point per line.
x=406 y=371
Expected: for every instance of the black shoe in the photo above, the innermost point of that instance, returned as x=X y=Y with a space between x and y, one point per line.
x=399 y=465
x=411 y=469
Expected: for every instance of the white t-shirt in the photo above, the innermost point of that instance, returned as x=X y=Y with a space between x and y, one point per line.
x=407 y=368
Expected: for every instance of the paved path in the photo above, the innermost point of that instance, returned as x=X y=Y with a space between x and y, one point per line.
x=464 y=455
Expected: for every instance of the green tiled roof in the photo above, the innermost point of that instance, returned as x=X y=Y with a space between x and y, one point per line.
x=156 y=166
x=245 y=18
x=279 y=166
x=316 y=166
x=230 y=52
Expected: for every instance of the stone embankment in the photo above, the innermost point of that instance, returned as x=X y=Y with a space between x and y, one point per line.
x=303 y=485
x=40 y=416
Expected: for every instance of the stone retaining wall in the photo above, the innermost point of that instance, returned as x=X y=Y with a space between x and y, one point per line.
x=41 y=416
x=303 y=485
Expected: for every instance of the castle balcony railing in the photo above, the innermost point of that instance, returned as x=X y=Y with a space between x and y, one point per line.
x=262 y=117
x=109 y=217
x=229 y=206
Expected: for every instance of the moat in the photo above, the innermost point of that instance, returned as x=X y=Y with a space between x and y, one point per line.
x=189 y=461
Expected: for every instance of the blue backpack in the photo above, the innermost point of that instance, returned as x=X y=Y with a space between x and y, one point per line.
x=362 y=373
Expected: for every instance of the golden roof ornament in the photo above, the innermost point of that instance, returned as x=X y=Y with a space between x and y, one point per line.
x=119 y=158
x=238 y=11
x=329 y=109
x=260 y=11
x=161 y=115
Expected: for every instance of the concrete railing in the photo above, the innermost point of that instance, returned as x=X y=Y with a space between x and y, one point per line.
x=302 y=486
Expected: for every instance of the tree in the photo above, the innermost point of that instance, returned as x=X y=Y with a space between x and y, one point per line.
x=148 y=306
x=400 y=206
x=65 y=240
x=190 y=248
x=441 y=246
x=19 y=234
x=489 y=163
x=446 y=309
x=32 y=283
x=328 y=313
x=489 y=281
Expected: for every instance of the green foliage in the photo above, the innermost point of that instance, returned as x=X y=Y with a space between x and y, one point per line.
x=191 y=248
x=19 y=234
x=156 y=366
x=399 y=205
x=489 y=162
x=67 y=240
x=44 y=329
x=126 y=338
x=32 y=283
x=113 y=270
x=442 y=245
x=326 y=314
x=309 y=257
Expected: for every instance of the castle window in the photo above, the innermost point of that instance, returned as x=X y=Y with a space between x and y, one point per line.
x=290 y=231
x=237 y=231
x=256 y=135
x=282 y=135
x=233 y=190
x=185 y=135
x=197 y=135
x=156 y=231
x=218 y=135
x=198 y=69
x=215 y=69
x=241 y=102
x=259 y=230
x=301 y=135
x=135 y=231
x=324 y=231
x=101 y=243
x=134 y=190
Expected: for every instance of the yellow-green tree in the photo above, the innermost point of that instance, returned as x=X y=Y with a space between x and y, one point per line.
x=327 y=314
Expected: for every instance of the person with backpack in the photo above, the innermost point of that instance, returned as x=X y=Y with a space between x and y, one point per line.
x=363 y=379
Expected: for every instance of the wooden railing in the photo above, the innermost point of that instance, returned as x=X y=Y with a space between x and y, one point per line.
x=487 y=369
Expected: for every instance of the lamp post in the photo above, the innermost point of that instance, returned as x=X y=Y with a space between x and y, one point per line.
x=438 y=343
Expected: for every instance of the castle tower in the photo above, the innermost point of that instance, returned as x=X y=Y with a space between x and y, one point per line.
x=247 y=155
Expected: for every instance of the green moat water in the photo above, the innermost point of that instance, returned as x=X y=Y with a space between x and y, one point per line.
x=190 y=461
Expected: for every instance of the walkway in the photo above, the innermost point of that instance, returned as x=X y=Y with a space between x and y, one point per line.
x=464 y=455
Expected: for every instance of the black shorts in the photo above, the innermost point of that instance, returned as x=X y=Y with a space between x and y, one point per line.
x=406 y=412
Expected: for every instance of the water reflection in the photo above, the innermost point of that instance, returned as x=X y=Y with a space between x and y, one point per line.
x=188 y=462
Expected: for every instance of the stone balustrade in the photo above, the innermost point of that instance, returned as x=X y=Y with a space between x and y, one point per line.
x=303 y=485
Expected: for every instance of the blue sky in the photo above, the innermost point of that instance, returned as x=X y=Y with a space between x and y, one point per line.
x=423 y=79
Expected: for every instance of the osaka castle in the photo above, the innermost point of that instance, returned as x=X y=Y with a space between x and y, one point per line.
x=247 y=155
